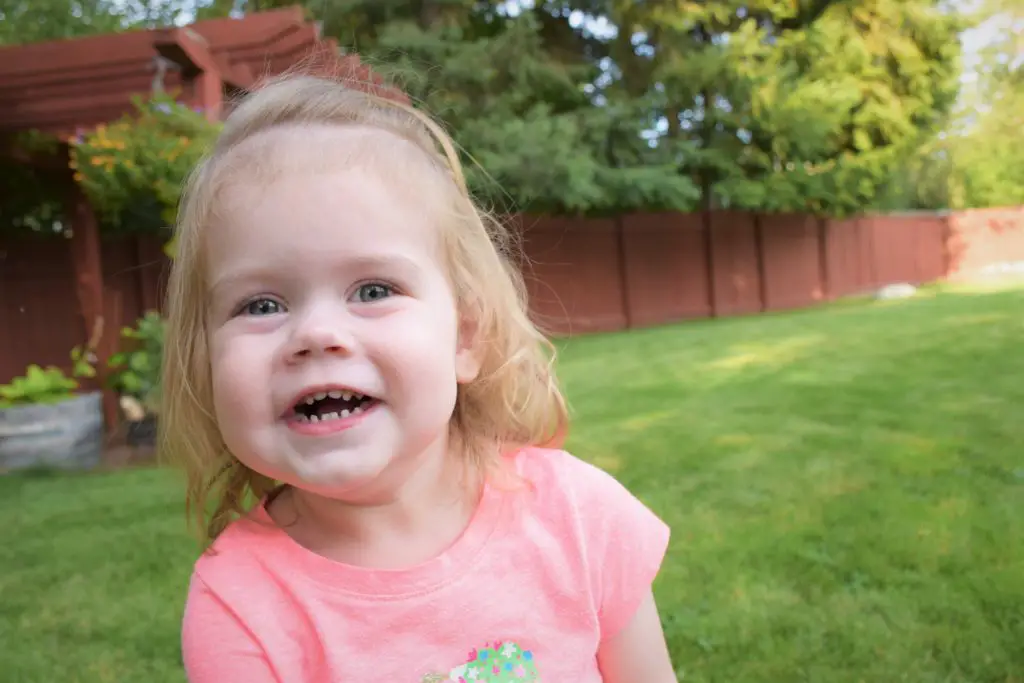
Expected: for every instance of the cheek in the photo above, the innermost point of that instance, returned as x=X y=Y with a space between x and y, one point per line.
x=418 y=355
x=237 y=374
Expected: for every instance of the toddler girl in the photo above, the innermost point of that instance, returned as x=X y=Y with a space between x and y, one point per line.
x=368 y=422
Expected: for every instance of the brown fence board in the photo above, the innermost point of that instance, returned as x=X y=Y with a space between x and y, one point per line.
x=791 y=258
x=666 y=268
x=39 y=317
x=735 y=263
x=574 y=274
x=978 y=239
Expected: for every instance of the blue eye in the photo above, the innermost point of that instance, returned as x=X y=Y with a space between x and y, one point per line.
x=262 y=307
x=373 y=291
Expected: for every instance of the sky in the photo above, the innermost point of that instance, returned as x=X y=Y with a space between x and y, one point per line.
x=975 y=40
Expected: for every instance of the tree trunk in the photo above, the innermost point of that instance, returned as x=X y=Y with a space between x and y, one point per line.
x=430 y=13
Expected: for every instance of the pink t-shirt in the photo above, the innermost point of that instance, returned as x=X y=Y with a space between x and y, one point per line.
x=537 y=581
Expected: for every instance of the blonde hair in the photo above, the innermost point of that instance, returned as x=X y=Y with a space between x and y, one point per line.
x=514 y=402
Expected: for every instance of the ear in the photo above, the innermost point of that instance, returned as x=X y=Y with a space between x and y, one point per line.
x=468 y=349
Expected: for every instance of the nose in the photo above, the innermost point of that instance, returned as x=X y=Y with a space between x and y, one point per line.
x=319 y=334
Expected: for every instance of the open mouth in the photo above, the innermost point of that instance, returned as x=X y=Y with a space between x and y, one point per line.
x=322 y=406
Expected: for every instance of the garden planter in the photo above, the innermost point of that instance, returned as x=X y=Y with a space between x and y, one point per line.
x=65 y=435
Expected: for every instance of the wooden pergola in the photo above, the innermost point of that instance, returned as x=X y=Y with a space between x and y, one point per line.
x=62 y=87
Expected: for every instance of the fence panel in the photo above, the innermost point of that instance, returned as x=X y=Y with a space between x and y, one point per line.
x=574 y=274
x=848 y=263
x=39 y=313
x=791 y=257
x=983 y=239
x=666 y=273
x=735 y=263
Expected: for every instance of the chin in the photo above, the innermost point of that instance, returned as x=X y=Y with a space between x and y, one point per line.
x=319 y=475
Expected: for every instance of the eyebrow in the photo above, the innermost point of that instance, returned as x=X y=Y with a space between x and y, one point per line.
x=359 y=263
x=383 y=262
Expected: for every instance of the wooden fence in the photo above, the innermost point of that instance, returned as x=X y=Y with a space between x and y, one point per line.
x=584 y=275
x=650 y=269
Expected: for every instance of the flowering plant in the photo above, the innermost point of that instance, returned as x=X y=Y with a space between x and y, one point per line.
x=132 y=169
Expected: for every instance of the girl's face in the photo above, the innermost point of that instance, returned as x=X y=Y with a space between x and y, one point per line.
x=334 y=337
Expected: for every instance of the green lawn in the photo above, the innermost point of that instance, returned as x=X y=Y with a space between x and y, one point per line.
x=846 y=489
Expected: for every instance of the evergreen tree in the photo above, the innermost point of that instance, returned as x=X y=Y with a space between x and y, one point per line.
x=511 y=86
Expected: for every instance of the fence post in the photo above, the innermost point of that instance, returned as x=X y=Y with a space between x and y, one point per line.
x=824 y=275
x=709 y=262
x=620 y=233
x=947 y=245
x=762 y=276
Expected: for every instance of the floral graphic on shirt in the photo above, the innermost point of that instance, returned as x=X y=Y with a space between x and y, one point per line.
x=497 y=662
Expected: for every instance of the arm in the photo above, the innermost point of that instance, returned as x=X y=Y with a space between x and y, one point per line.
x=638 y=652
x=216 y=646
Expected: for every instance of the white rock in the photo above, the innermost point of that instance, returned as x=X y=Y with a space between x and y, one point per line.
x=902 y=290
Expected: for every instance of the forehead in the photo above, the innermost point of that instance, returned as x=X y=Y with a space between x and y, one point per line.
x=303 y=195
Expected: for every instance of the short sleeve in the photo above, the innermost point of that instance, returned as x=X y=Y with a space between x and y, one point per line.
x=625 y=544
x=215 y=645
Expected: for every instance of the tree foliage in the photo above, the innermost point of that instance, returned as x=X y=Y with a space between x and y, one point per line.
x=30 y=21
x=616 y=105
x=771 y=105
x=132 y=169
x=978 y=159
x=783 y=105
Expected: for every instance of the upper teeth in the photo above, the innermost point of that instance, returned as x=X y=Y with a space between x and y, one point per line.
x=321 y=395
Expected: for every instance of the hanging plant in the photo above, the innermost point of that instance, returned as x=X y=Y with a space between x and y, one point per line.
x=132 y=169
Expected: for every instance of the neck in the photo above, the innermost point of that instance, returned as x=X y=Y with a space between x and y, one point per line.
x=392 y=526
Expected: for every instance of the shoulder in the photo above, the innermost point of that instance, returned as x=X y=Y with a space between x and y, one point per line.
x=238 y=621
x=244 y=576
x=621 y=540
x=558 y=475
x=248 y=553
x=549 y=466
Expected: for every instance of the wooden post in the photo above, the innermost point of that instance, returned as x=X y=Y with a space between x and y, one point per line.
x=88 y=266
x=209 y=94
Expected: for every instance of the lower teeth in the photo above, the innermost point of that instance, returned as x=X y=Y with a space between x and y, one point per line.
x=331 y=416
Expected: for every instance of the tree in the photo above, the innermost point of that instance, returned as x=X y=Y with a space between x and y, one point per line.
x=511 y=85
x=988 y=154
x=781 y=105
x=30 y=21
x=977 y=160
x=762 y=105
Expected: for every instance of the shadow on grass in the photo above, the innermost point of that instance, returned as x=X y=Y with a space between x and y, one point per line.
x=36 y=472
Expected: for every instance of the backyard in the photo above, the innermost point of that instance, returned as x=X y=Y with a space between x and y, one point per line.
x=845 y=487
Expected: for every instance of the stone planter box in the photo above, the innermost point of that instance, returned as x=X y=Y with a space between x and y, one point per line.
x=65 y=435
